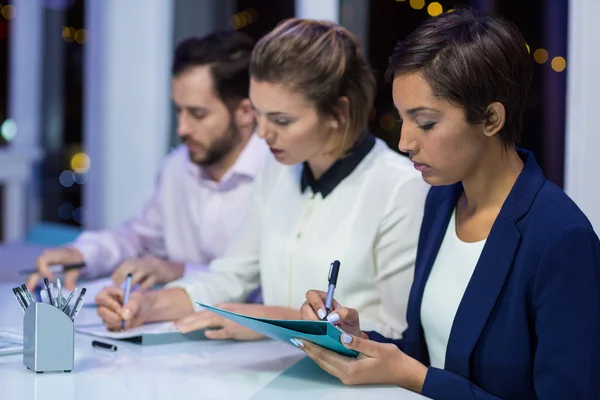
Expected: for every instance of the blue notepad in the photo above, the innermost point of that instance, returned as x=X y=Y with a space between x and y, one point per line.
x=322 y=333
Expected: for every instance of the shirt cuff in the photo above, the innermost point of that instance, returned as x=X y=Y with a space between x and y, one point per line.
x=187 y=283
x=92 y=258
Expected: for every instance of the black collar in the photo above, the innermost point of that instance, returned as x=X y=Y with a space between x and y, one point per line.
x=339 y=170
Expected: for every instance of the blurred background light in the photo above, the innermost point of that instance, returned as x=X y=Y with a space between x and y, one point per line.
x=80 y=162
x=66 y=178
x=559 y=64
x=78 y=215
x=417 y=4
x=8 y=130
x=8 y=11
x=540 y=56
x=65 y=210
x=81 y=36
x=434 y=9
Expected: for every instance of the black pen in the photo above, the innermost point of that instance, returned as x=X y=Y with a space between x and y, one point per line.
x=19 y=299
x=334 y=270
x=54 y=268
x=105 y=346
x=27 y=293
x=49 y=291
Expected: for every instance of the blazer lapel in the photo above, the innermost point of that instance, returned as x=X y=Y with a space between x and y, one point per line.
x=492 y=269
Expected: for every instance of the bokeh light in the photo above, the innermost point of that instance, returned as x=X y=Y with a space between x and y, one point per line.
x=540 y=56
x=66 y=178
x=80 y=162
x=68 y=34
x=8 y=11
x=80 y=179
x=559 y=64
x=78 y=215
x=8 y=130
x=417 y=4
x=81 y=36
x=434 y=9
x=65 y=210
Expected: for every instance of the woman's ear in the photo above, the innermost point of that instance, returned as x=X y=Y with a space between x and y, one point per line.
x=243 y=114
x=495 y=119
x=342 y=112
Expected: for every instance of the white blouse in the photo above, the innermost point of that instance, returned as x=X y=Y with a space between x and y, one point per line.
x=370 y=222
x=444 y=290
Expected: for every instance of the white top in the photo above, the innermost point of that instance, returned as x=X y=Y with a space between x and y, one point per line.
x=189 y=218
x=445 y=287
x=370 y=222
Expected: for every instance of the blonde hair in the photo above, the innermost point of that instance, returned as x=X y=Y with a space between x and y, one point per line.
x=324 y=62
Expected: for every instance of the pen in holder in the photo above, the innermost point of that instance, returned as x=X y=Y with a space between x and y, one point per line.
x=48 y=328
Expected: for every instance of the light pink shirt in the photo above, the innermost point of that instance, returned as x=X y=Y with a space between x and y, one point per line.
x=189 y=219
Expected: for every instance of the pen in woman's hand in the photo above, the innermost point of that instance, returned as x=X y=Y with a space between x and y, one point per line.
x=126 y=296
x=334 y=270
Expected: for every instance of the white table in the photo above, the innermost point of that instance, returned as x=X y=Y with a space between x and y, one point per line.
x=192 y=370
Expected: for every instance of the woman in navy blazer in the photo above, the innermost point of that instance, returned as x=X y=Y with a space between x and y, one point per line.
x=526 y=323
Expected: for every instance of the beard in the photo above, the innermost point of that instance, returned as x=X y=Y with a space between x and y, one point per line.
x=218 y=149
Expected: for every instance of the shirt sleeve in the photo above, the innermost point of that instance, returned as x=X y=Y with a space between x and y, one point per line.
x=395 y=253
x=236 y=275
x=104 y=250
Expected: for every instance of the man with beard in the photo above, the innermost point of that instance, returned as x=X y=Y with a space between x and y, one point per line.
x=203 y=187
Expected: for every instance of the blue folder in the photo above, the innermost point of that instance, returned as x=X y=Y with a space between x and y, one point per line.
x=321 y=333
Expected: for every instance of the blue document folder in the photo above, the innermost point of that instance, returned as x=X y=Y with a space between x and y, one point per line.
x=322 y=333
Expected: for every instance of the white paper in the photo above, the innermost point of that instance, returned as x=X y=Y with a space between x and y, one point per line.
x=147 y=329
x=11 y=342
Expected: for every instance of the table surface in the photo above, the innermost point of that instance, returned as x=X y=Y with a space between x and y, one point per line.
x=189 y=370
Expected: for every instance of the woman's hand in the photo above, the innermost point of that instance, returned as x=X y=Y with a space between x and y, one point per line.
x=377 y=363
x=218 y=327
x=345 y=318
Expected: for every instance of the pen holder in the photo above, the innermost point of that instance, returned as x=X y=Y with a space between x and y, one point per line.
x=48 y=339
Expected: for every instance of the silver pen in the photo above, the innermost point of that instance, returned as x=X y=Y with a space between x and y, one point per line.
x=66 y=303
x=59 y=297
x=78 y=304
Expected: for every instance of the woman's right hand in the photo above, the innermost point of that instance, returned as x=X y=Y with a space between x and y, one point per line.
x=345 y=318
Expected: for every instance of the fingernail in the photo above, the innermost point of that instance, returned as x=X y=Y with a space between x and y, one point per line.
x=333 y=318
x=126 y=313
x=321 y=313
x=294 y=342
x=299 y=342
x=346 y=338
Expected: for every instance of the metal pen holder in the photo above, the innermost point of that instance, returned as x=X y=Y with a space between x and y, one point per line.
x=48 y=339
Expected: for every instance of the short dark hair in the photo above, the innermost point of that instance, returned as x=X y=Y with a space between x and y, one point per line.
x=228 y=54
x=471 y=59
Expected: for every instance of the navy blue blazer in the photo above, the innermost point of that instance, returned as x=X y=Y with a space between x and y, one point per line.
x=528 y=325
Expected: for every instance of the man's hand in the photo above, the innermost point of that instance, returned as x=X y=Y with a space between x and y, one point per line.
x=59 y=256
x=148 y=271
